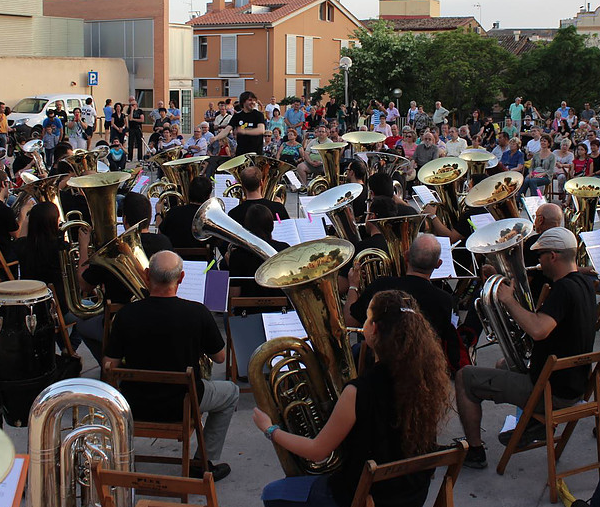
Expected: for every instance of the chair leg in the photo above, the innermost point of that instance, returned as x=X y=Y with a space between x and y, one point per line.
x=564 y=438
x=513 y=442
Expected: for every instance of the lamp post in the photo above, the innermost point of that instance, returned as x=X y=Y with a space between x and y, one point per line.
x=345 y=64
x=397 y=92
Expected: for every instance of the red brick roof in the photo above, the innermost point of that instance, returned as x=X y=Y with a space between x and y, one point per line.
x=411 y=24
x=242 y=15
x=517 y=47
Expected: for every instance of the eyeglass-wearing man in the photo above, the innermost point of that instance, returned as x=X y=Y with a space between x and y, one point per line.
x=196 y=145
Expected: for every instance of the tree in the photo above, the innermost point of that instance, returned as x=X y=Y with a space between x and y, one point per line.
x=564 y=69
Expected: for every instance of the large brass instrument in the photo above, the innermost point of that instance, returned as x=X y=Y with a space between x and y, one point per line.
x=337 y=204
x=331 y=154
x=497 y=194
x=363 y=140
x=449 y=211
x=502 y=244
x=83 y=161
x=584 y=192
x=166 y=155
x=59 y=464
x=36 y=148
x=41 y=190
x=182 y=171
x=373 y=263
x=477 y=160
x=301 y=396
x=390 y=164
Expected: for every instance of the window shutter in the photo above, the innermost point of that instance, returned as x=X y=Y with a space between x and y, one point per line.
x=228 y=47
x=196 y=47
x=314 y=84
x=290 y=87
x=290 y=49
x=236 y=87
x=308 y=55
x=344 y=43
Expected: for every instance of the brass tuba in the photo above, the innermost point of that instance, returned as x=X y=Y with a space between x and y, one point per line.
x=373 y=263
x=58 y=464
x=83 y=161
x=166 y=155
x=585 y=192
x=431 y=174
x=180 y=173
x=235 y=166
x=502 y=244
x=36 y=147
x=497 y=194
x=42 y=190
x=363 y=140
x=337 y=204
x=477 y=160
x=331 y=154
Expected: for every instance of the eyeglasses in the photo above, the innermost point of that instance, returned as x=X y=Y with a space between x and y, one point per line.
x=197 y=132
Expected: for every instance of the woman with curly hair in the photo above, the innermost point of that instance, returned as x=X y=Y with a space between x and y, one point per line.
x=391 y=412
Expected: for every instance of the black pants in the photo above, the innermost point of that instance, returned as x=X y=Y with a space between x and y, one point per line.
x=135 y=140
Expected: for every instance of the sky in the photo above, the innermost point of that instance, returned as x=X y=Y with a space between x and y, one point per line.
x=510 y=13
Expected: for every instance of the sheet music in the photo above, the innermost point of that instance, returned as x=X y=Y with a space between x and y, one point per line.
x=482 y=220
x=424 y=194
x=286 y=231
x=153 y=203
x=293 y=179
x=446 y=270
x=283 y=324
x=230 y=203
x=591 y=238
x=141 y=182
x=304 y=200
x=307 y=230
x=120 y=229
x=194 y=281
x=594 y=254
x=8 y=487
x=220 y=184
x=532 y=203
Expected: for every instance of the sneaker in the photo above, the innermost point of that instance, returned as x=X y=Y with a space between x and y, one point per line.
x=535 y=431
x=219 y=471
x=476 y=458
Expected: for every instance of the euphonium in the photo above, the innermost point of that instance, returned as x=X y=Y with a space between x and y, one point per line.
x=331 y=154
x=235 y=166
x=272 y=171
x=585 y=193
x=180 y=173
x=497 y=194
x=431 y=174
x=373 y=263
x=477 y=160
x=337 y=204
x=57 y=464
x=502 y=244
x=390 y=164
x=166 y=155
x=83 y=161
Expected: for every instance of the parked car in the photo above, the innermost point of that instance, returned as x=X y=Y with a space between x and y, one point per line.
x=29 y=113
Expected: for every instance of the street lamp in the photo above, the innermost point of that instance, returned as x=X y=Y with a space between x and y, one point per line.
x=397 y=92
x=345 y=64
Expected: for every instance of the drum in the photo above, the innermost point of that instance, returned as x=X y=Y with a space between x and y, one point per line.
x=27 y=349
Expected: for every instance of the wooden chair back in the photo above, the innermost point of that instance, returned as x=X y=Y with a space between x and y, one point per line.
x=105 y=479
x=8 y=274
x=62 y=326
x=110 y=309
x=451 y=458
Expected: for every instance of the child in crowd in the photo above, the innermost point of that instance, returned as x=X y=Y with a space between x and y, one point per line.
x=50 y=141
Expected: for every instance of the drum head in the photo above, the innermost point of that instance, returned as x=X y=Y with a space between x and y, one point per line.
x=7 y=455
x=22 y=290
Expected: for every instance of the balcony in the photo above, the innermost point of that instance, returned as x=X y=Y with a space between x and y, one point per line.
x=228 y=67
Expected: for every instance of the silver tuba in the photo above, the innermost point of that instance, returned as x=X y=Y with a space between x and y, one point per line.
x=57 y=464
x=502 y=244
x=36 y=148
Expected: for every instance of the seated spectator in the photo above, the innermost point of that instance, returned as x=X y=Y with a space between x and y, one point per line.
x=276 y=121
x=291 y=151
x=383 y=127
x=513 y=159
x=167 y=142
x=196 y=145
x=564 y=166
x=270 y=147
x=391 y=140
x=116 y=156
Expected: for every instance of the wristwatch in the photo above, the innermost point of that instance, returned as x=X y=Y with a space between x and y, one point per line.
x=270 y=430
x=352 y=287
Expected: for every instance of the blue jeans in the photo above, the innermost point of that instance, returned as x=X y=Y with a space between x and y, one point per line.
x=532 y=184
x=303 y=491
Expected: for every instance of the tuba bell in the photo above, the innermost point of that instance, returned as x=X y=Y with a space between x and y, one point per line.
x=585 y=192
x=235 y=167
x=83 y=161
x=363 y=140
x=502 y=244
x=477 y=160
x=36 y=147
x=272 y=171
x=41 y=190
x=180 y=173
x=331 y=154
x=497 y=194
x=166 y=155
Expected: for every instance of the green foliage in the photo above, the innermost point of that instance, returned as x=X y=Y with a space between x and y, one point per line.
x=316 y=95
x=286 y=101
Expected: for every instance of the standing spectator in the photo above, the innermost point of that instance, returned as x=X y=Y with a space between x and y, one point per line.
x=341 y=118
x=76 y=129
x=118 y=123
x=516 y=113
x=353 y=115
x=155 y=113
x=392 y=114
x=412 y=111
x=196 y=145
x=174 y=113
x=210 y=114
x=440 y=114
x=116 y=156
x=61 y=114
x=563 y=109
x=331 y=108
x=294 y=117
x=221 y=120
x=3 y=125
x=530 y=110
x=421 y=120
x=510 y=129
x=50 y=141
x=89 y=114
x=571 y=118
x=376 y=111
x=136 y=120
x=270 y=107
x=475 y=124
x=277 y=121
x=54 y=122
x=383 y=127
x=108 y=112
x=587 y=114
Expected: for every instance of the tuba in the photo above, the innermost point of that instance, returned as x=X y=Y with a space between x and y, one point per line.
x=180 y=173
x=445 y=174
x=585 y=192
x=363 y=140
x=477 y=160
x=166 y=156
x=390 y=164
x=36 y=147
x=300 y=391
x=42 y=190
x=235 y=166
x=83 y=161
x=331 y=154
x=373 y=263
x=502 y=244
x=337 y=204
x=57 y=464
x=272 y=171
x=497 y=194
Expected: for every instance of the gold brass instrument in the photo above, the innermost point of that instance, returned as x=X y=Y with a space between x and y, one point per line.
x=305 y=392
x=83 y=161
x=477 y=160
x=390 y=164
x=502 y=244
x=159 y=187
x=36 y=148
x=182 y=171
x=331 y=154
x=166 y=155
x=584 y=192
x=497 y=194
x=373 y=263
x=363 y=140
x=337 y=204
x=399 y=234
x=58 y=465
x=235 y=166
x=431 y=174
x=272 y=171
x=41 y=190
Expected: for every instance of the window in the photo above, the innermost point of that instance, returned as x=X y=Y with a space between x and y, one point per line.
x=200 y=87
x=73 y=103
x=326 y=12
x=228 y=63
x=200 y=48
x=225 y=87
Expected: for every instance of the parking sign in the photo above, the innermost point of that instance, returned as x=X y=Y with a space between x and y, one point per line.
x=93 y=78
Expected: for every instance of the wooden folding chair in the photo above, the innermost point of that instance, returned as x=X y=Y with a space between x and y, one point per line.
x=451 y=458
x=105 y=479
x=8 y=274
x=62 y=326
x=181 y=431
x=245 y=304
x=110 y=310
x=555 y=445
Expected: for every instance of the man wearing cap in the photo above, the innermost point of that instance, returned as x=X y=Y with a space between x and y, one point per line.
x=563 y=326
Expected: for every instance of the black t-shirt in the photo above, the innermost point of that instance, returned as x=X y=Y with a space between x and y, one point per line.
x=72 y=201
x=118 y=120
x=164 y=334
x=177 y=226
x=331 y=110
x=239 y=122
x=489 y=133
x=239 y=212
x=62 y=116
x=8 y=224
x=359 y=205
x=572 y=304
x=375 y=437
x=20 y=162
x=136 y=125
x=245 y=263
x=314 y=121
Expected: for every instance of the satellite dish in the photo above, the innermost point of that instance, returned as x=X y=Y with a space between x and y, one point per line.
x=345 y=62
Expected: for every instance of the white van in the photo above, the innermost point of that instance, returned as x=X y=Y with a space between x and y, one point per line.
x=29 y=113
